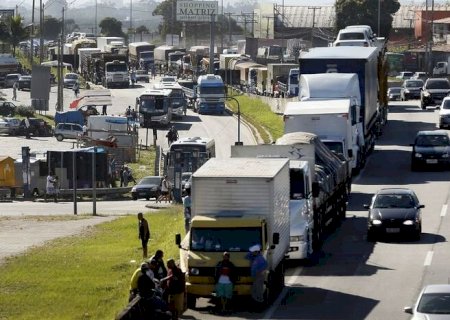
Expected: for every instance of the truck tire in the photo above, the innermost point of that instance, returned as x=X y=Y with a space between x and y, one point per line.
x=191 y=301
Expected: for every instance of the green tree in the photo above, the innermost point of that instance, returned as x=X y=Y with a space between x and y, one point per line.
x=111 y=27
x=142 y=29
x=52 y=28
x=167 y=9
x=353 y=12
x=70 y=26
x=16 y=32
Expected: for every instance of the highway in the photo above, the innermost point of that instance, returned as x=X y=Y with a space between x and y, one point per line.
x=356 y=279
x=353 y=279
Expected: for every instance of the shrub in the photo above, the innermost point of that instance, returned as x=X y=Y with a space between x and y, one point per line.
x=25 y=111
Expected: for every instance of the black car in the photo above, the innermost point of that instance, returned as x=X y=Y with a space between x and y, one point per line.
x=411 y=89
x=430 y=148
x=38 y=128
x=393 y=93
x=433 y=92
x=7 y=109
x=394 y=211
x=25 y=82
x=147 y=187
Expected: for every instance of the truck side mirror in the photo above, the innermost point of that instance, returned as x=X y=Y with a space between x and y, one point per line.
x=276 y=238
x=178 y=239
x=315 y=189
x=350 y=153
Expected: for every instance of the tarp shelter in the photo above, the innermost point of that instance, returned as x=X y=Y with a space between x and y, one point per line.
x=54 y=63
x=7 y=172
x=100 y=97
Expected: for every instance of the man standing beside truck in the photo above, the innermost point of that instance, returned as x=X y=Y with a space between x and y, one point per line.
x=258 y=266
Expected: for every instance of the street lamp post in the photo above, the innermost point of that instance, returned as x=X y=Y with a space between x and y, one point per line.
x=379 y=14
x=238 y=143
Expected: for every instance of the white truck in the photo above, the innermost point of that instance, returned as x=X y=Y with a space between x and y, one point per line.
x=141 y=55
x=277 y=72
x=210 y=94
x=236 y=203
x=319 y=187
x=103 y=42
x=330 y=107
x=442 y=68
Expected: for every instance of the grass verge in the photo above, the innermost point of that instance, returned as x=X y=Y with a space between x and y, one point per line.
x=145 y=165
x=85 y=276
x=259 y=115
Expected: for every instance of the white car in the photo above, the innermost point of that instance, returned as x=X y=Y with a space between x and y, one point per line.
x=4 y=126
x=444 y=113
x=355 y=36
x=433 y=303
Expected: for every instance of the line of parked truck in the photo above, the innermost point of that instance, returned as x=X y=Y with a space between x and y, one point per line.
x=301 y=183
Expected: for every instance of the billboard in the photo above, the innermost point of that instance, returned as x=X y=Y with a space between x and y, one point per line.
x=5 y=14
x=196 y=11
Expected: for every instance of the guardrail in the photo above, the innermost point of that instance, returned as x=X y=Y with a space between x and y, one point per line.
x=98 y=191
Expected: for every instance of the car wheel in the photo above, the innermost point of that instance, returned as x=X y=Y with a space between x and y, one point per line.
x=405 y=98
x=423 y=105
x=418 y=233
x=59 y=137
x=370 y=236
x=147 y=198
x=414 y=166
x=135 y=198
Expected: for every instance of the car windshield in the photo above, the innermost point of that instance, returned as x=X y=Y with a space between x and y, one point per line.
x=434 y=303
x=446 y=104
x=25 y=78
x=407 y=74
x=394 y=90
x=71 y=76
x=168 y=79
x=414 y=84
x=393 y=201
x=428 y=140
x=352 y=36
x=150 y=180
x=224 y=239
x=438 y=84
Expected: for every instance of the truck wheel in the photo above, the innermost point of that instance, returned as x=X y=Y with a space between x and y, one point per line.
x=423 y=105
x=191 y=301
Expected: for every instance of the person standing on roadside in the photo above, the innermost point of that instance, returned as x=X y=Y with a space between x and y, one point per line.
x=50 y=188
x=27 y=127
x=187 y=203
x=76 y=89
x=144 y=233
x=258 y=267
x=225 y=279
x=15 y=87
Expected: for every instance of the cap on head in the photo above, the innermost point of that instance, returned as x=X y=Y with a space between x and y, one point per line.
x=144 y=266
x=255 y=248
x=226 y=254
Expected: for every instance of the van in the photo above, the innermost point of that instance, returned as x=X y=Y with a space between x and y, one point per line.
x=11 y=78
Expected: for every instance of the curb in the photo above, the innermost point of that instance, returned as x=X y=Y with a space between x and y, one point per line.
x=257 y=138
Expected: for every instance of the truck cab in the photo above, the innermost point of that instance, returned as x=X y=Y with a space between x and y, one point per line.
x=146 y=60
x=210 y=92
x=116 y=74
x=177 y=97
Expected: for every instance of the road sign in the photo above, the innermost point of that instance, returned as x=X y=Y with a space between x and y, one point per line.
x=196 y=11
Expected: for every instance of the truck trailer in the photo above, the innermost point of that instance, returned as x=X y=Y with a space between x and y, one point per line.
x=141 y=55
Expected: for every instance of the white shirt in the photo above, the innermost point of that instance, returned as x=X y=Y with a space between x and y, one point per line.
x=50 y=182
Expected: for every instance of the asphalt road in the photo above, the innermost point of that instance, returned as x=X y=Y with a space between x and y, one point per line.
x=355 y=279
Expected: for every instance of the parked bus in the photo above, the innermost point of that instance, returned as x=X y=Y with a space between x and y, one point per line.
x=154 y=108
x=188 y=154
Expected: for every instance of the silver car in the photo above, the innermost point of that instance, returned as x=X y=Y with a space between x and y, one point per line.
x=4 y=126
x=11 y=78
x=68 y=131
x=433 y=303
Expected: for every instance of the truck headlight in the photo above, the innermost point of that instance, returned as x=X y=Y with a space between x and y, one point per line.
x=445 y=155
x=426 y=94
x=194 y=271
x=418 y=155
x=296 y=238
x=133 y=189
x=406 y=91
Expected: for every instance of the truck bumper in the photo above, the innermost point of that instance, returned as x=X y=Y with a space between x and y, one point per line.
x=297 y=250
x=206 y=290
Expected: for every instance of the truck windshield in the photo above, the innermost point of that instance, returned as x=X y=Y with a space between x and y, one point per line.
x=146 y=55
x=224 y=239
x=211 y=90
x=335 y=146
x=297 y=184
x=293 y=78
x=151 y=103
x=177 y=97
x=116 y=68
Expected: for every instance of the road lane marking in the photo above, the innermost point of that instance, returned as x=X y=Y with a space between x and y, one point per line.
x=428 y=258
x=292 y=279
x=444 y=210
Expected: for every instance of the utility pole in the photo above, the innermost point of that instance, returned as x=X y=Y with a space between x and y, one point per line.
x=379 y=17
x=229 y=25
x=32 y=36
x=268 y=24
x=221 y=28
x=95 y=17
x=131 y=17
x=211 y=47
x=410 y=34
x=313 y=21
x=430 y=60
x=41 y=32
x=60 y=67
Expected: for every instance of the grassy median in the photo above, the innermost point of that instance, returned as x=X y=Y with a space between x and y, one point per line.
x=260 y=116
x=85 y=276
